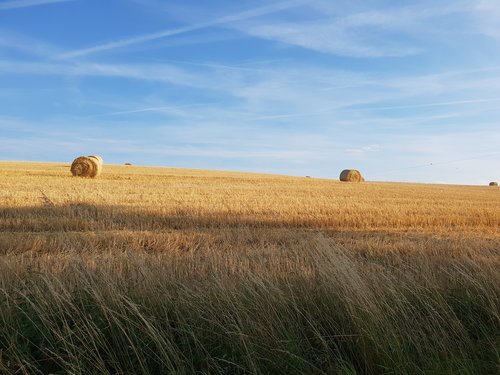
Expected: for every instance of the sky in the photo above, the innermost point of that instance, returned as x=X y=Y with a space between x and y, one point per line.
x=401 y=90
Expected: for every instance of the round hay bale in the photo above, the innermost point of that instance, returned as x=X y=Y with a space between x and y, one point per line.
x=493 y=183
x=351 y=175
x=85 y=166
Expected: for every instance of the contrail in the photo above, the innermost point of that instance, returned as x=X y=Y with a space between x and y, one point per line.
x=14 y=4
x=252 y=13
x=154 y=109
x=438 y=104
x=348 y=108
x=341 y=108
x=151 y=109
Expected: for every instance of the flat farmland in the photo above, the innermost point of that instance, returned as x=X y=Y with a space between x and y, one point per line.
x=148 y=270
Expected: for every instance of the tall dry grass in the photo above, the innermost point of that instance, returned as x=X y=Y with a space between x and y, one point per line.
x=152 y=271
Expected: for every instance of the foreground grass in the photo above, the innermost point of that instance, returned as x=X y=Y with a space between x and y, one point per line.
x=152 y=271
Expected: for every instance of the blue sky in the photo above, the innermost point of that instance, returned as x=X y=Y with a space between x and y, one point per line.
x=402 y=90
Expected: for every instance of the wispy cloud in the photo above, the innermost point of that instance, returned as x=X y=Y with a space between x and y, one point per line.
x=361 y=151
x=487 y=15
x=148 y=72
x=435 y=104
x=373 y=33
x=267 y=94
x=247 y=14
x=14 y=4
x=334 y=39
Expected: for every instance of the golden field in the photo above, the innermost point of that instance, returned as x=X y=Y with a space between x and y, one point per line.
x=162 y=270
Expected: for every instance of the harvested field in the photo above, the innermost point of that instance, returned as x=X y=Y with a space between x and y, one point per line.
x=160 y=270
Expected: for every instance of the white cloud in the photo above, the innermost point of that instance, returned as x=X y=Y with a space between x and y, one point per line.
x=487 y=16
x=363 y=150
x=328 y=37
x=359 y=30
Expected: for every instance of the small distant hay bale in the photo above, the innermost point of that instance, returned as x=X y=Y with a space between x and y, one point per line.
x=351 y=175
x=87 y=166
x=128 y=163
x=493 y=183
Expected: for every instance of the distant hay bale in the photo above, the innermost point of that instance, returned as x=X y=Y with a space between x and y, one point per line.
x=493 y=183
x=87 y=166
x=128 y=163
x=351 y=175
